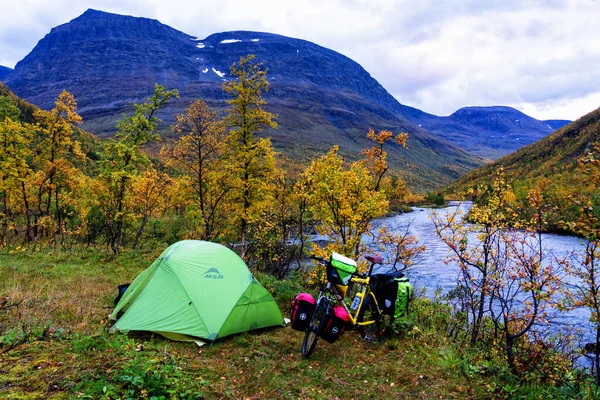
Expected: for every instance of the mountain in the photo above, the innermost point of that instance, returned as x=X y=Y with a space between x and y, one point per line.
x=550 y=164
x=4 y=71
x=553 y=156
x=109 y=61
x=557 y=123
x=489 y=132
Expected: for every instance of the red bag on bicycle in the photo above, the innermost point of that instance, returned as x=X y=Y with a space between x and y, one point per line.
x=336 y=325
x=303 y=307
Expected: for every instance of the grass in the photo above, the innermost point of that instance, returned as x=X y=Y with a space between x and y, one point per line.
x=262 y=365
x=55 y=343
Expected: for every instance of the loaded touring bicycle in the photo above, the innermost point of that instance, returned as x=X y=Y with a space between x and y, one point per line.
x=372 y=310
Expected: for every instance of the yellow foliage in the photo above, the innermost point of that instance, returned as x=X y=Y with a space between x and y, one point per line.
x=248 y=161
x=376 y=157
x=342 y=200
x=198 y=152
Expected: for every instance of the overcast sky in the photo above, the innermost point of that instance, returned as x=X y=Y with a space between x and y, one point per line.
x=539 y=56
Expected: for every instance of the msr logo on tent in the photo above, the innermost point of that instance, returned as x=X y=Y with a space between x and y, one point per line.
x=213 y=273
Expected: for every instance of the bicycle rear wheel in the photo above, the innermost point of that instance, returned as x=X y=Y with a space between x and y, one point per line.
x=311 y=336
x=385 y=326
x=381 y=325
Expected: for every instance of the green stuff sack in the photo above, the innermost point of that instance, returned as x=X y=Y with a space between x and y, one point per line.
x=405 y=293
x=340 y=269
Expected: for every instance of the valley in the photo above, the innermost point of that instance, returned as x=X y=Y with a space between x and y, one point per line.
x=122 y=136
x=321 y=97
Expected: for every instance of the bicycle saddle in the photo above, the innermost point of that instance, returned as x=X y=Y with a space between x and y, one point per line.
x=374 y=259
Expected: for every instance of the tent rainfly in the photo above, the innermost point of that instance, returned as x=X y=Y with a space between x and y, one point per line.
x=196 y=289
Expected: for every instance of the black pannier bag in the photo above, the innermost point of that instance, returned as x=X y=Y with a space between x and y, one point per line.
x=385 y=288
x=336 y=324
x=303 y=307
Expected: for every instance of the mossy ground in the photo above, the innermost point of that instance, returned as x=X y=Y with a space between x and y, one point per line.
x=267 y=364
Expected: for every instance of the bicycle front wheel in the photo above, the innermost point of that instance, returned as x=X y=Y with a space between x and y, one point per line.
x=314 y=328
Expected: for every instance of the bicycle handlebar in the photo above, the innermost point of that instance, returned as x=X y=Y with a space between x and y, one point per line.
x=319 y=259
x=373 y=259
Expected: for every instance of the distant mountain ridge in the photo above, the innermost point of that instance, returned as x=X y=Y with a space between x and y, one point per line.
x=552 y=160
x=557 y=123
x=489 y=132
x=109 y=61
x=4 y=71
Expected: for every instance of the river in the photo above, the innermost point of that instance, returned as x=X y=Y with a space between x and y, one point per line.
x=431 y=272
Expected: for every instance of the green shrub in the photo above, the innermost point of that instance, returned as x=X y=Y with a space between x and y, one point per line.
x=435 y=198
x=283 y=290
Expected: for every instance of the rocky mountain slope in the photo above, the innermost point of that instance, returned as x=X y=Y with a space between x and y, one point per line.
x=489 y=132
x=4 y=71
x=322 y=98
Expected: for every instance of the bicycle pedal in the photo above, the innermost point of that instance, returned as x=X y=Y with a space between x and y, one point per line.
x=368 y=339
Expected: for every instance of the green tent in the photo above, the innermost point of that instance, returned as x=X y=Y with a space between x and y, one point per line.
x=196 y=289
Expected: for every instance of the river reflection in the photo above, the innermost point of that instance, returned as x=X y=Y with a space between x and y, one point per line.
x=430 y=271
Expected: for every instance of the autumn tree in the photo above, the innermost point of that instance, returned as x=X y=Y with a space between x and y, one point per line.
x=16 y=175
x=280 y=238
x=55 y=157
x=304 y=221
x=476 y=246
x=399 y=247
x=124 y=158
x=525 y=281
x=85 y=222
x=198 y=152
x=376 y=156
x=584 y=265
x=8 y=109
x=148 y=198
x=342 y=200
x=10 y=129
x=250 y=160
x=506 y=274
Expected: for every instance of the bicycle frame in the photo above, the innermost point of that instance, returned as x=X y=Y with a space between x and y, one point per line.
x=364 y=293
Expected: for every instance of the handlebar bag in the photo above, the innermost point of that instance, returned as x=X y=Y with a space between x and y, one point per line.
x=336 y=324
x=303 y=307
x=340 y=269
